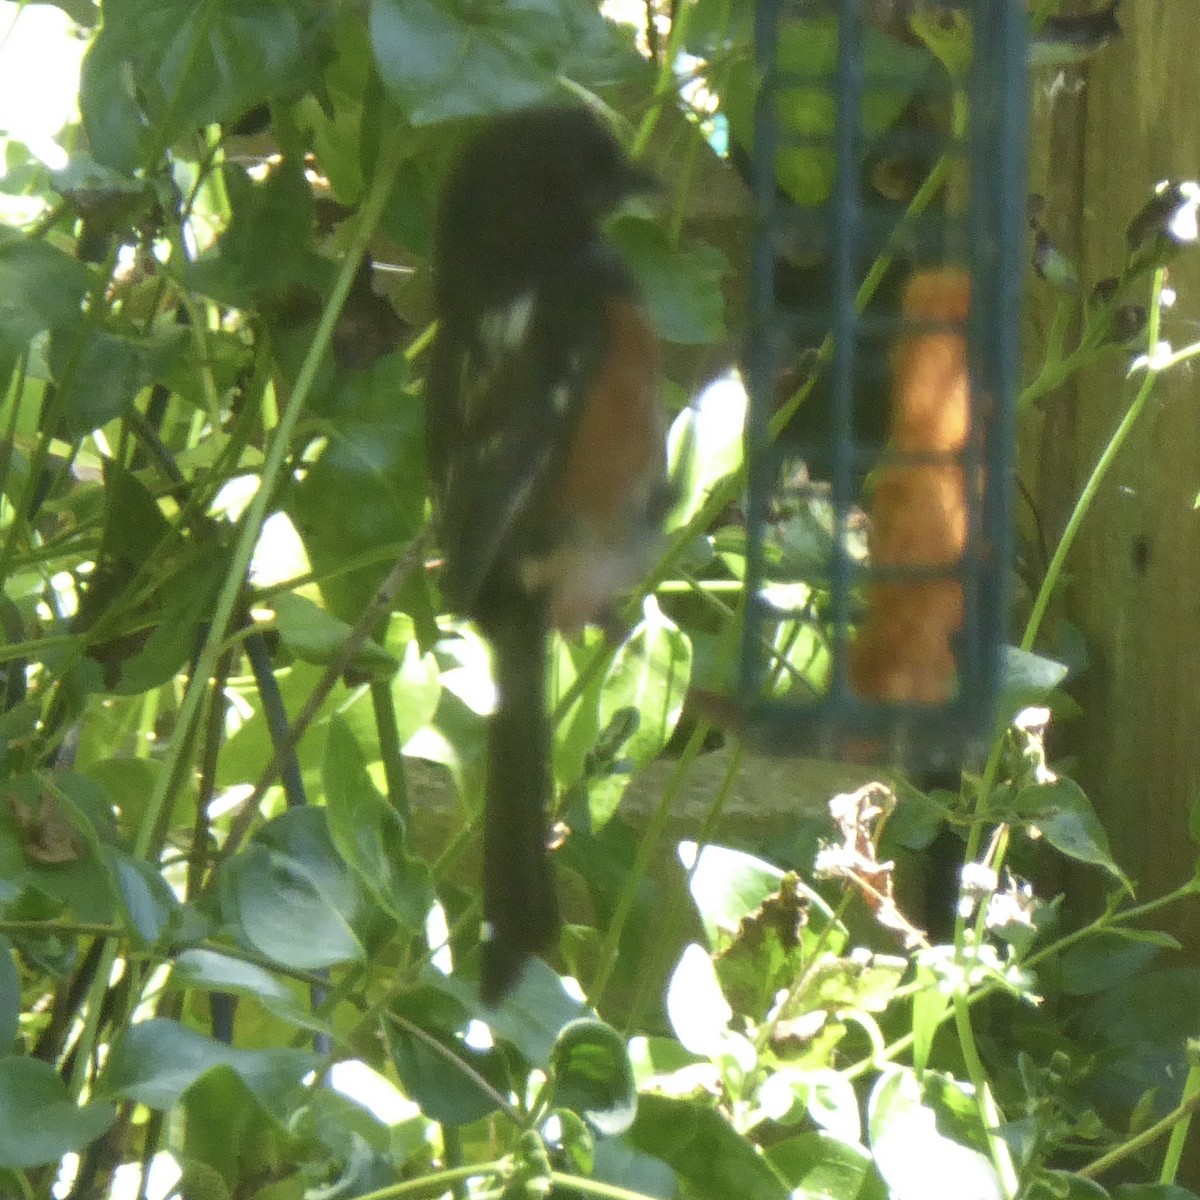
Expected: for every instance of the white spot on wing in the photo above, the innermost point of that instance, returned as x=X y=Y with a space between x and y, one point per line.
x=503 y=329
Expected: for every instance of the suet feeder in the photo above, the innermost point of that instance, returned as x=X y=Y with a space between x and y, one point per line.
x=888 y=178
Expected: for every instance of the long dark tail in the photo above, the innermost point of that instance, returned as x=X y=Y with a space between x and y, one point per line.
x=519 y=904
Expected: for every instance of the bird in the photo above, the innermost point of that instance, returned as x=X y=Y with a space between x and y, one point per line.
x=546 y=452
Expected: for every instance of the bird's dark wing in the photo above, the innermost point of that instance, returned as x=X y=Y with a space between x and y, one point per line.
x=505 y=396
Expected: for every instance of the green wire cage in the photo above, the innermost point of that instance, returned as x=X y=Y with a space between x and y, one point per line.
x=888 y=165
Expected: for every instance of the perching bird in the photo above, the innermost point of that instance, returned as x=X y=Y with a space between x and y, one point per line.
x=546 y=450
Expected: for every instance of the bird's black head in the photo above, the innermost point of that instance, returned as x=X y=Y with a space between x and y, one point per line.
x=533 y=183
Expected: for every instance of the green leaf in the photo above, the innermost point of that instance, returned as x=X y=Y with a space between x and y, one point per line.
x=531 y=1016
x=917 y=819
x=715 y=1160
x=211 y=971
x=316 y=636
x=681 y=287
x=292 y=897
x=438 y=67
x=366 y=492
x=41 y=288
x=231 y=1131
x=191 y=577
x=820 y=1167
x=440 y=61
x=576 y=752
x=1065 y=817
x=133 y=522
x=772 y=947
x=713 y=24
x=1139 y=1028
x=910 y=1148
x=39 y=1122
x=411 y=211
x=728 y=885
x=808 y=50
x=1065 y=1185
x=10 y=996
x=53 y=848
x=128 y=783
x=930 y=1002
x=646 y=681
x=159 y=69
x=592 y=1075
x=1025 y=679
x=248 y=751
x=617 y=1164
x=1101 y=962
x=154 y=1062
x=369 y=834
x=149 y=902
x=417 y=686
x=101 y=377
x=200 y=1180
x=101 y=371
x=265 y=256
x=453 y=1082
x=337 y=126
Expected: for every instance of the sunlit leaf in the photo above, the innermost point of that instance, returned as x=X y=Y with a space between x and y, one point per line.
x=1025 y=679
x=706 y=444
x=911 y=1151
x=728 y=885
x=531 y=1016
x=699 y=1013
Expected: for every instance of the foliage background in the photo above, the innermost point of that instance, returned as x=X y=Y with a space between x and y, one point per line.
x=222 y=969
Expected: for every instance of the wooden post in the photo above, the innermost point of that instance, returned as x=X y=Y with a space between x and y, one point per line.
x=1135 y=571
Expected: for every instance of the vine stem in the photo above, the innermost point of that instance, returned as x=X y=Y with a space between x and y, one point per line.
x=1177 y=1121
x=985 y=1102
x=1107 y=920
x=1181 y=1119
x=1154 y=367
x=391 y=156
